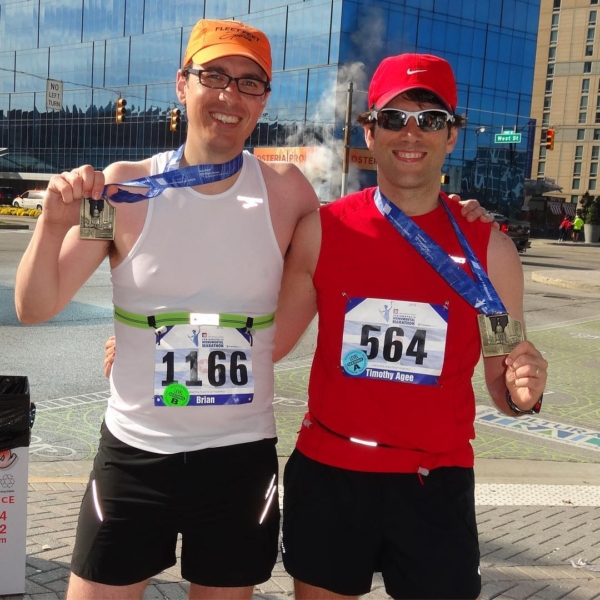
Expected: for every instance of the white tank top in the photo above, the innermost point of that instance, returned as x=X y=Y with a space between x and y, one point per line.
x=204 y=254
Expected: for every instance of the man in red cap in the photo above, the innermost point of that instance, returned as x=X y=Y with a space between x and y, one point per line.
x=382 y=475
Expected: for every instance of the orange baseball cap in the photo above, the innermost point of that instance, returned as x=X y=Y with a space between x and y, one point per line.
x=211 y=39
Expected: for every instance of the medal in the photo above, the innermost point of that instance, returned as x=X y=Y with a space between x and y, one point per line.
x=96 y=219
x=500 y=334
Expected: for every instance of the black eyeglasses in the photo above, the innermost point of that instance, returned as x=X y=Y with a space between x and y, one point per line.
x=221 y=81
x=427 y=120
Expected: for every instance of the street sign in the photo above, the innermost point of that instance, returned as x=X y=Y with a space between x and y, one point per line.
x=508 y=137
x=54 y=94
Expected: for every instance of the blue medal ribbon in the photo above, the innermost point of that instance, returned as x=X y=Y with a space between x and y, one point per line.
x=480 y=294
x=174 y=177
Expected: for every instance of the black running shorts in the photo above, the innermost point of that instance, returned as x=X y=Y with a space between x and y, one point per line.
x=339 y=527
x=137 y=502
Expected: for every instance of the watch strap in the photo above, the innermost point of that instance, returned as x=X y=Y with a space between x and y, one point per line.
x=534 y=410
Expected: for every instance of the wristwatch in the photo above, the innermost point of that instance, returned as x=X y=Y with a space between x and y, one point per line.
x=534 y=410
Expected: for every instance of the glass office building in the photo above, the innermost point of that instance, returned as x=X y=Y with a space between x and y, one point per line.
x=104 y=50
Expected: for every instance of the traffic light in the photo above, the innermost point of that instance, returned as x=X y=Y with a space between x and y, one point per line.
x=175 y=119
x=121 y=104
x=550 y=139
x=445 y=179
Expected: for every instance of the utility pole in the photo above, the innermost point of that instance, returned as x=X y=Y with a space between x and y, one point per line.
x=346 y=155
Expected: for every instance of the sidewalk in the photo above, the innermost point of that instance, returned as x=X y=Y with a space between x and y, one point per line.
x=534 y=519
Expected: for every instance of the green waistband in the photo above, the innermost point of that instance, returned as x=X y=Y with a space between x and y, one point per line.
x=184 y=318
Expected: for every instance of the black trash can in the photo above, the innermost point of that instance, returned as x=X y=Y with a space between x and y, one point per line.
x=16 y=420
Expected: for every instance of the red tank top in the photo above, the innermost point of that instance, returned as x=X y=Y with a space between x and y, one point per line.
x=414 y=425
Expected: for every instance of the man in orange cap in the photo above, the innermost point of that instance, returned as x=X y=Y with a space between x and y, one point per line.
x=188 y=442
x=382 y=475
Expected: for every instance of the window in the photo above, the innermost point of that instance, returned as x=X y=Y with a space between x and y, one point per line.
x=585 y=86
x=583 y=118
x=597 y=134
x=543 y=151
x=556 y=4
x=574 y=199
x=549 y=86
x=555 y=19
x=594 y=170
x=550 y=70
x=541 y=168
x=581 y=134
x=597 y=121
x=598 y=103
x=590 y=34
x=583 y=103
x=578 y=152
x=592 y=184
x=587 y=67
x=592 y=19
x=577 y=169
x=554 y=36
x=589 y=50
x=546 y=119
x=552 y=53
x=547 y=102
x=595 y=152
x=575 y=185
x=593 y=2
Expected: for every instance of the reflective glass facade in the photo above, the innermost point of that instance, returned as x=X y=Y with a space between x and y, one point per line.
x=103 y=49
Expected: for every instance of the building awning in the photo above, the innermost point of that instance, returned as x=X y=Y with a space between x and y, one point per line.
x=555 y=207
x=570 y=208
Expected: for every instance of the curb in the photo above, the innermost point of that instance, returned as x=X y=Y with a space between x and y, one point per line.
x=571 y=285
x=12 y=226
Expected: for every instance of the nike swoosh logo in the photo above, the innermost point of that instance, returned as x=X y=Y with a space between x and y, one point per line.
x=411 y=72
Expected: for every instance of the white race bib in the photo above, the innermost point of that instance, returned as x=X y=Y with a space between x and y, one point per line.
x=202 y=366
x=394 y=340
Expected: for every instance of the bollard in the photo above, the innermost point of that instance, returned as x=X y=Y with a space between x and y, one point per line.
x=16 y=419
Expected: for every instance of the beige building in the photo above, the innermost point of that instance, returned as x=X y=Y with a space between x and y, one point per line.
x=566 y=97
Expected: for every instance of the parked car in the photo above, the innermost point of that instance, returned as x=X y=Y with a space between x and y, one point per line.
x=30 y=199
x=517 y=230
x=7 y=195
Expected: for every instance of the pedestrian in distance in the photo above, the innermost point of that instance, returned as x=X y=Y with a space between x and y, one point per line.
x=188 y=441
x=382 y=475
x=564 y=229
x=577 y=227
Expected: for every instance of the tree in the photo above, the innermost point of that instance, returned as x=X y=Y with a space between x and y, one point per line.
x=586 y=202
x=593 y=214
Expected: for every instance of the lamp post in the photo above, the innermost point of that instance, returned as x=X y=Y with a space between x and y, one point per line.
x=346 y=154
x=481 y=129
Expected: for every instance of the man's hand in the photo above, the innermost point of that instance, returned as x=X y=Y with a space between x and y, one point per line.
x=472 y=210
x=109 y=354
x=61 y=204
x=526 y=375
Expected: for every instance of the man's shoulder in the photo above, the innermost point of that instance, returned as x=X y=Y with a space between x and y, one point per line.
x=125 y=170
x=287 y=184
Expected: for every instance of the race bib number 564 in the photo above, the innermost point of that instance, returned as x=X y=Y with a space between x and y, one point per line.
x=394 y=340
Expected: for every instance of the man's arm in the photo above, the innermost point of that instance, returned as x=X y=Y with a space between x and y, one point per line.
x=57 y=263
x=297 y=303
x=524 y=371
